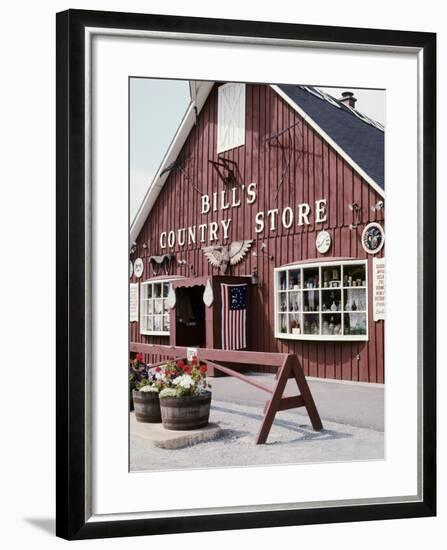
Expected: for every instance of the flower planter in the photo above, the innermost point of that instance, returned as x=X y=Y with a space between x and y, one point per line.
x=130 y=399
x=147 y=406
x=185 y=413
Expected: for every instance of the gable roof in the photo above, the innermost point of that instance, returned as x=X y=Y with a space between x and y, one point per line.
x=359 y=136
x=358 y=139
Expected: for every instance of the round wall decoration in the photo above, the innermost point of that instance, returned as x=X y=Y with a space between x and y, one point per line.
x=138 y=267
x=208 y=296
x=130 y=269
x=373 y=238
x=323 y=241
x=170 y=300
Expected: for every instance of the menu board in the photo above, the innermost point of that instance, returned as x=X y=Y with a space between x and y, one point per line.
x=133 y=302
x=379 y=289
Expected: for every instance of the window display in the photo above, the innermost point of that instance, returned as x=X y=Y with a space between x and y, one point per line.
x=326 y=301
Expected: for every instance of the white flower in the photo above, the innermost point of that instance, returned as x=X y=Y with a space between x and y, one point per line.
x=185 y=381
x=168 y=392
x=149 y=388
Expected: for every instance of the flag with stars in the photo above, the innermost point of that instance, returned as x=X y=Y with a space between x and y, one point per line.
x=234 y=316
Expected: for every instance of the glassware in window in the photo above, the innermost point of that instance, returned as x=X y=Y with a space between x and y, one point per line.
x=311 y=300
x=355 y=323
x=294 y=279
x=283 y=324
x=311 y=323
x=157 y=290
x=311 y=277
x=166 y=322
x=157 y=323
x=294 y=301
x=295 y=324
x=282 y=280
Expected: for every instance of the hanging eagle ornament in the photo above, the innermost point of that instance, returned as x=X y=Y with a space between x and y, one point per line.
x=224 y=255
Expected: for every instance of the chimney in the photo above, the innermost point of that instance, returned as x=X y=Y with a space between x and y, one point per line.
x=347 y=98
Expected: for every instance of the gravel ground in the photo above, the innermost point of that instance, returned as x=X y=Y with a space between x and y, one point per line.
x=291 y=441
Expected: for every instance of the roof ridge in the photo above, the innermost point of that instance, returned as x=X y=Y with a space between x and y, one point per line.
x=325 y=96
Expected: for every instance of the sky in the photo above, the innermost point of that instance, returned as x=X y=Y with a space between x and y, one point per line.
x=156 y=110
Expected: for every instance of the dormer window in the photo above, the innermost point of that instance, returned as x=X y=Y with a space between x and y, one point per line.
x=230 y=117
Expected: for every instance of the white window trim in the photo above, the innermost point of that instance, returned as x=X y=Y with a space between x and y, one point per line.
x=320 y=337
x=142 y=294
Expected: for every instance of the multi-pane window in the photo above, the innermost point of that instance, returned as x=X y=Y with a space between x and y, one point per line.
x=154 y=310
x=326 y=301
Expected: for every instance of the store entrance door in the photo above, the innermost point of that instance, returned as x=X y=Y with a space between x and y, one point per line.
x=190 y=327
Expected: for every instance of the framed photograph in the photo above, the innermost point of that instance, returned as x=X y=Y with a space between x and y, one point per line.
x=225 y=315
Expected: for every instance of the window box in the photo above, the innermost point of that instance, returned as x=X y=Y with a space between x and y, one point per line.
x=322 y=301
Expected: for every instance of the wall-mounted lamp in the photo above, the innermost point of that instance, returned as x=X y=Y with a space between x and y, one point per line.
x=264 y=252
x=378 y=206
x=356 y=213
x=254 y=277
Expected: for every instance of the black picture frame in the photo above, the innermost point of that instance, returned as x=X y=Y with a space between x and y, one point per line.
x=72 y=485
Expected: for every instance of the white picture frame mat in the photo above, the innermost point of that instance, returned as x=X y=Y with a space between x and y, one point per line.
x=114 y=489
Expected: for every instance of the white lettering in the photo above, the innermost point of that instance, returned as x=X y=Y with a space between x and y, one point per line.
x=215 y=202
x=303 y=213
x=205 y=204
x=225 y=225
x=181 y=233
x=171 y=239
x=202 y=228
x=251 y=193
x=223 y=205
x=287 y=213
x=259 y=219
x=273 y=214
x=320 y=211
x=163 y=239
x=212 y=234
x=233 y=194
x=192 y=235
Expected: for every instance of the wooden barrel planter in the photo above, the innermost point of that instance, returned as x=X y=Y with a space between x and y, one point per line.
x=130 y=399
x=185 y=413
x=147 y=406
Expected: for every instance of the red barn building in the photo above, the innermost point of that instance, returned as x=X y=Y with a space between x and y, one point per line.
x=280 y=189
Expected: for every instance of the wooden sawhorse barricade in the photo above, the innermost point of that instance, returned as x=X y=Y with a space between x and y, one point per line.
x=287 y=365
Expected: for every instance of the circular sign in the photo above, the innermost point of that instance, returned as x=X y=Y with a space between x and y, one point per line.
x=130 y=269
x=138 y=267
x=323 y=242
x=373 y=238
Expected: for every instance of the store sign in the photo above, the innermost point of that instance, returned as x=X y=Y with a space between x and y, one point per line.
x=133 y=302
x=379 y=289
x=190 y=354
x=265 y=220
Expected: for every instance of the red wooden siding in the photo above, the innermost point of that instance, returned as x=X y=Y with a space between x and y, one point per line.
x=316 y=171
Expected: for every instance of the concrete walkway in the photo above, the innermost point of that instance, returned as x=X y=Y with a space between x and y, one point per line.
x=353 y=403
x=352 y=416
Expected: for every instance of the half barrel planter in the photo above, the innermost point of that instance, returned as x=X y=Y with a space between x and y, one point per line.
x=147 y=406
x=186 y=413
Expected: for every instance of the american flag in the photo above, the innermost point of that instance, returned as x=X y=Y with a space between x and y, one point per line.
x=234 y=316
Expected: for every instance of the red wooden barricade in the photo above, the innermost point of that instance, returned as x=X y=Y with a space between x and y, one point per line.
x=287 y=365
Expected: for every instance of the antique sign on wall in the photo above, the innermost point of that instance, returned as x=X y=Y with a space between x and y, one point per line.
x=379 y=289
x=133 y=302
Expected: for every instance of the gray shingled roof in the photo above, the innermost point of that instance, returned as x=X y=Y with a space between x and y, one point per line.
x=361 y=138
